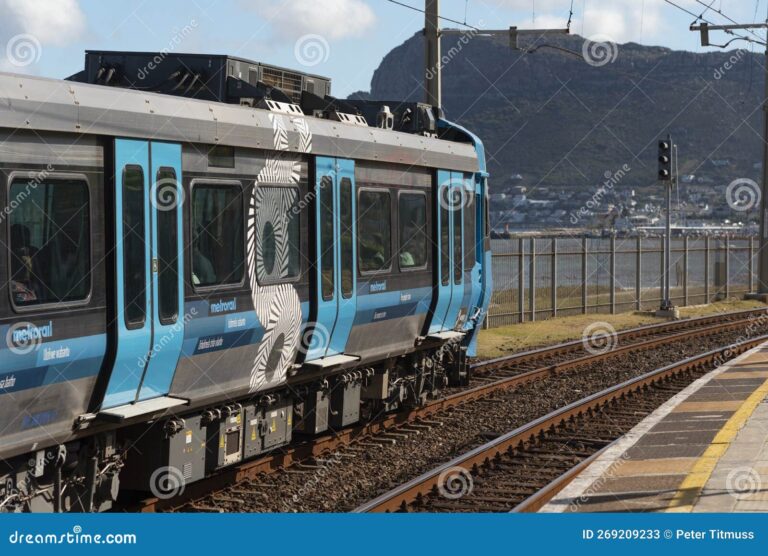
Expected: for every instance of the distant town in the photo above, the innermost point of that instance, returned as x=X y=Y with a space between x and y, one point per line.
x=700 y=206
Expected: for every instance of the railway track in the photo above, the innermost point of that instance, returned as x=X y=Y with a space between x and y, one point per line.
x=529 y=359
x=492 y=378
x=524 y=468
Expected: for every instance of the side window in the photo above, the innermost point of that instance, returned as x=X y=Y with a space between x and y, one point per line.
x=347 y=245
x=412 y=214
x=445 y=245
x=374 y=230
x=134 y=246
x=327 y=273
x=277 y=234
x=217 y=234
x=469 y=229
x=50 y=242
x=167 y=247
x=457 y=238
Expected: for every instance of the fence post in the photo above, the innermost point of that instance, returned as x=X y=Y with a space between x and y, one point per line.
x=521 y=279
x=584 y=275
x=727 y=266
x=750 y=255
x=554 y=277
x=706 y=269
x=613 y=274
x=639 y=273
x=662 y=266
x=532 y=280
x=685 y=270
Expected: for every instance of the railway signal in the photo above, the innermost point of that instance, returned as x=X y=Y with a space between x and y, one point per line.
x=666 y=176
x=665 y=159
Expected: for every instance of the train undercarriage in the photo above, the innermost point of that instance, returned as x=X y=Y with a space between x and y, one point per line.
x=110 y=469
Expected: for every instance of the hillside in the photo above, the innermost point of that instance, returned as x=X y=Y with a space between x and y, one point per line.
x=559 y=121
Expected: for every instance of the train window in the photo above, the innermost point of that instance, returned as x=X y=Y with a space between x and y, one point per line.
x=217 y=234
x=412 y=214
x=374 y=228
x=445 y=244
x=277 y=234
x=50 y=242
x=457 y=238
x=470 y=223
x=327 y=274
x=486 y=210
x=221 y=156
x=134 y=246
x=347 y=245
x=167 y=187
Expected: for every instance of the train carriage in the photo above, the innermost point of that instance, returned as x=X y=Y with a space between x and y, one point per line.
x=197 y=270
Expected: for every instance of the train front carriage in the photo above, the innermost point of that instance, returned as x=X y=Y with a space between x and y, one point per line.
x=198 y=275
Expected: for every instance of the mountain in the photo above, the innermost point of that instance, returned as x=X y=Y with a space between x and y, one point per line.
x=557 y=120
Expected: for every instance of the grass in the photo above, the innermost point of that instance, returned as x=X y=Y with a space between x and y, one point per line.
x=503 y=340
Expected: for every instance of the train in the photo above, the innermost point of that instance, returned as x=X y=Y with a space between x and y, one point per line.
x=205 y=259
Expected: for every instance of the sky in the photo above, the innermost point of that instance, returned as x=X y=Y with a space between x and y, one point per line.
x=341 y=39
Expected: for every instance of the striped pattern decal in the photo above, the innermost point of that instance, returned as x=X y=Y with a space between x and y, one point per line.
x=277 y=307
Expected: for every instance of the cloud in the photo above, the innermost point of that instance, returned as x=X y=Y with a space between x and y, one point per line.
x=621 y=20
x=332 y=19
x=28 y=26
x=56 y=22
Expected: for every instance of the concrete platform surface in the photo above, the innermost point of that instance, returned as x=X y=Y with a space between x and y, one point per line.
x=704 y=450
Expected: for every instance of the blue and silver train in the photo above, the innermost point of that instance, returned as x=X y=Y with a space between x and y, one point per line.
x=205 y=258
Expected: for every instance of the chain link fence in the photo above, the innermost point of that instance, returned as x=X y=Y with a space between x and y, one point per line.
x=543 y=277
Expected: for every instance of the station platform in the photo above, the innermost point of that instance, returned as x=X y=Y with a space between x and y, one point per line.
x=704 y=450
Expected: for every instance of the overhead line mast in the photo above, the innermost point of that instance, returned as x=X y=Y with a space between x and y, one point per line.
x=432 y=52
x=704 y=29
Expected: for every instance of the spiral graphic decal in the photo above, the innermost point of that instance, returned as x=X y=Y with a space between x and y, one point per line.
x=455 y=483
x=167 y=482
x=599 y=337
x=166 y=194
x=743 y=194
x=311 y=50
x=277 y=307
x=23 y=338
x=599 y=50
x=23 y=50
x=742 y=482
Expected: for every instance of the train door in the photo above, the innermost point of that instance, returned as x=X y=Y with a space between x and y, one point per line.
x=149 y=271
x=449 y=205
x=336 y=258
x=456 y=205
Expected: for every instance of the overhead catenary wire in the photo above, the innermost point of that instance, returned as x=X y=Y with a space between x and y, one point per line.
x=697 y=18
x=415 y=9
x=722 y=14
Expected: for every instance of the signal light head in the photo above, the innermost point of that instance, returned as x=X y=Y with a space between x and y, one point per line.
x=664 y=145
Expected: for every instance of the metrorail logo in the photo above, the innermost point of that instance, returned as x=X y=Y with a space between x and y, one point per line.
x=224 y=306
x=32 y=332
x=25 y=337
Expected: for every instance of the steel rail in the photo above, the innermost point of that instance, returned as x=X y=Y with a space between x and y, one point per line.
x=405 y=494
x=637 y=332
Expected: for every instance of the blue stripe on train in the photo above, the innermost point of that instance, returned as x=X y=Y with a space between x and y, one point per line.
x=51 y=363
x=53 y=352
x=384 y=306
x=206 y=334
